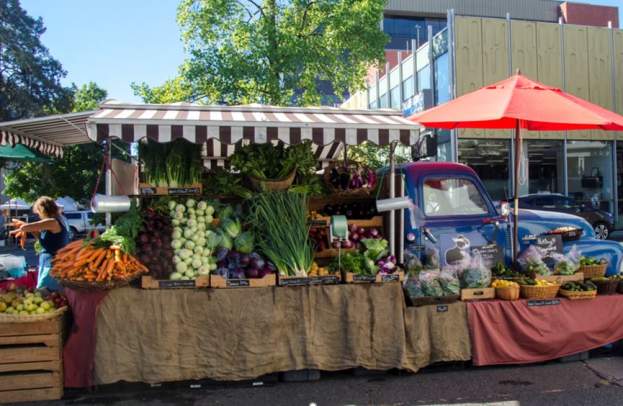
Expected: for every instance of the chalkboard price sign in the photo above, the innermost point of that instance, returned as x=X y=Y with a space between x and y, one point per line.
x=549 y=245
x=491 y=254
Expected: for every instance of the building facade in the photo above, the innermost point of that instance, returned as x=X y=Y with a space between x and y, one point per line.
x=473 y=51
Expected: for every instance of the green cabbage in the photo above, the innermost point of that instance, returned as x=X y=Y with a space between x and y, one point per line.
x=375 y=249
x=232 y=227
x=213 y=239
x=244 y=243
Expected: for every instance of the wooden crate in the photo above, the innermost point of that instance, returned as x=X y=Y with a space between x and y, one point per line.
x=217 y=281
x=350 y=277
x=31 y=367
x=478 y=294
x=325 y=221
x=560 y=279
x=332 y=252
x=148 y=282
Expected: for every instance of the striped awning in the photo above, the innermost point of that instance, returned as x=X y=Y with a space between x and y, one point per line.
x=47 y=135
x=253 y=123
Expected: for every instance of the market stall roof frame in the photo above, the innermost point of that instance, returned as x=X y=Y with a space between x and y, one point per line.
x=47 y=135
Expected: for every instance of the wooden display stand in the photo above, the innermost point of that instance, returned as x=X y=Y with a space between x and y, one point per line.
x=560 y=279
x=31 y=365
x=148 y=282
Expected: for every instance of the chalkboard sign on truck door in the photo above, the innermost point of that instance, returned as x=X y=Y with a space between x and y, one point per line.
x=491 y=254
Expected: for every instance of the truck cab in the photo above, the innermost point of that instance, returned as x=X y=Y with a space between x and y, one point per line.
x=451 y=212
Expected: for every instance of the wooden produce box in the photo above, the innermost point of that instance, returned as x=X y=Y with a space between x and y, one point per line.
x=478 y=294
x=324 y=221
x=560 y=279
x=146 y=189
x=149 y=282
x=350 y=277
x=332 y=252
x=217 y=281
x=31 y=366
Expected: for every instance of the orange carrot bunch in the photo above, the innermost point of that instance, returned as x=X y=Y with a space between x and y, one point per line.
x=20 y=235
x=83 y=261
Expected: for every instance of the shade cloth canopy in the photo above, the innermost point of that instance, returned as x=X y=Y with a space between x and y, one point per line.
x=21 y=152
x=536 y=106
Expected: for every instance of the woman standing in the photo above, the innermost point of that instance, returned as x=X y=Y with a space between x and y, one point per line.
x=53 y=235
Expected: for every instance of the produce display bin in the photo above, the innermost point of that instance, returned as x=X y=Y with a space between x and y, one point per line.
x=573 y=295
x=478 y=294
x=148 y=282
x=31 y=366
x=217 y=281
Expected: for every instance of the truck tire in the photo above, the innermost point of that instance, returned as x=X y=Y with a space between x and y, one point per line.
x=602 y=232
x=74 y=232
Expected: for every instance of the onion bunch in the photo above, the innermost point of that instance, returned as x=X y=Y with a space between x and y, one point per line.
x=154 y=244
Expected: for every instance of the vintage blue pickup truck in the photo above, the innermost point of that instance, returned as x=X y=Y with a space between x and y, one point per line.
x=450 y=210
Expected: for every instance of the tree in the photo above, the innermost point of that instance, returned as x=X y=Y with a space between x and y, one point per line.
x=29 y=76
x=274 y=52
x=75 y=174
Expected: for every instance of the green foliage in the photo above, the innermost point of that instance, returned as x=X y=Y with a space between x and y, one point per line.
x=273 y=52
x=267 y=161
x=376 y=157
x=29 y=77
x=73 y=175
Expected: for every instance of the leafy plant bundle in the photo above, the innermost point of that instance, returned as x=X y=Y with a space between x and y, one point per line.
x=282 y=231
x=268 y=161
x=124 y=232
x=173 y=164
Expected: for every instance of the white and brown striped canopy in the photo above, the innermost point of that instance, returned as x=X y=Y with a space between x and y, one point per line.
x=47 y=135
x=221 y=128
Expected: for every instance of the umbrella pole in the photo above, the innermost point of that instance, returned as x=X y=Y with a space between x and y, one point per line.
x=516 y=191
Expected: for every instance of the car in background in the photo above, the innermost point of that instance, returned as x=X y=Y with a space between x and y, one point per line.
x=80 y=222
x=601 y=221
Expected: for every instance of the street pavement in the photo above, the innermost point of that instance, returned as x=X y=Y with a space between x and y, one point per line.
x=597 y=381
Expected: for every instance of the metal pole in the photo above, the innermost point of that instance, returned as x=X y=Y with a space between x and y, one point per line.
x=516 y=193
x=454 y=134
x=392 y=194
x=108 y=178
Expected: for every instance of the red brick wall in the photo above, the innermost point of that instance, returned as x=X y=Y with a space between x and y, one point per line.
x=588 y=14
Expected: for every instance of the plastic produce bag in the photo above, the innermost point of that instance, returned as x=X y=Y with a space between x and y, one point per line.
x=476 y=274
x=450 y=284
x=531 y=262
x=567 y=264
x=424 y=284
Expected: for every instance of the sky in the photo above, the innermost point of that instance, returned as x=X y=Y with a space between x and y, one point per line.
x=115 y=42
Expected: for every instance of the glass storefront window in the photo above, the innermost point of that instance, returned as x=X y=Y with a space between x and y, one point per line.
x=545 y=167
x=489 y=158
x=374 y=105
x=442 y=79
x=402 y=30
x=384 y=101
x=408 y=89
x=423 y=78
x=589 y=165
x=395 y=97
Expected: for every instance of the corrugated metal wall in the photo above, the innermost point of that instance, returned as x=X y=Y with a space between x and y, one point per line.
x=482 y=57
x=540 y=10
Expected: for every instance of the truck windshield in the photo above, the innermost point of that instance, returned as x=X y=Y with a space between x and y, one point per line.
x=452 y=197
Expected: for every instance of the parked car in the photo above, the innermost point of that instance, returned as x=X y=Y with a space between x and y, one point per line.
x=601 y=221
x=449 y=215
x=80 y=222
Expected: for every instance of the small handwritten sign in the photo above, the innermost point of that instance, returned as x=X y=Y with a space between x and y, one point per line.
x=390 y=277
x=491 y=254
x=184 y=190
x=543 y=302
x=294 y=281
x=324 y=280
x=442 y=308
x=364 y=278
x=238 y=283
x=168 y=284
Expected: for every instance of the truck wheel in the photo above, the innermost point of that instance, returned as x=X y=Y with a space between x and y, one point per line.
x=601 y=231
x=74 y=232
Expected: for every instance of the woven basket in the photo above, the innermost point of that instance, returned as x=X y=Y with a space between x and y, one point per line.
x=608 y=287
x=509 y=293
x=575 y=295
x=262 y=185
x=360 y=192
x=16 y=318
x=593 y=271
x=106 y=285
x=539 y=292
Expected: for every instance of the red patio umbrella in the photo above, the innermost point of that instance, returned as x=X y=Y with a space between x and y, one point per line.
x=516 y=103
